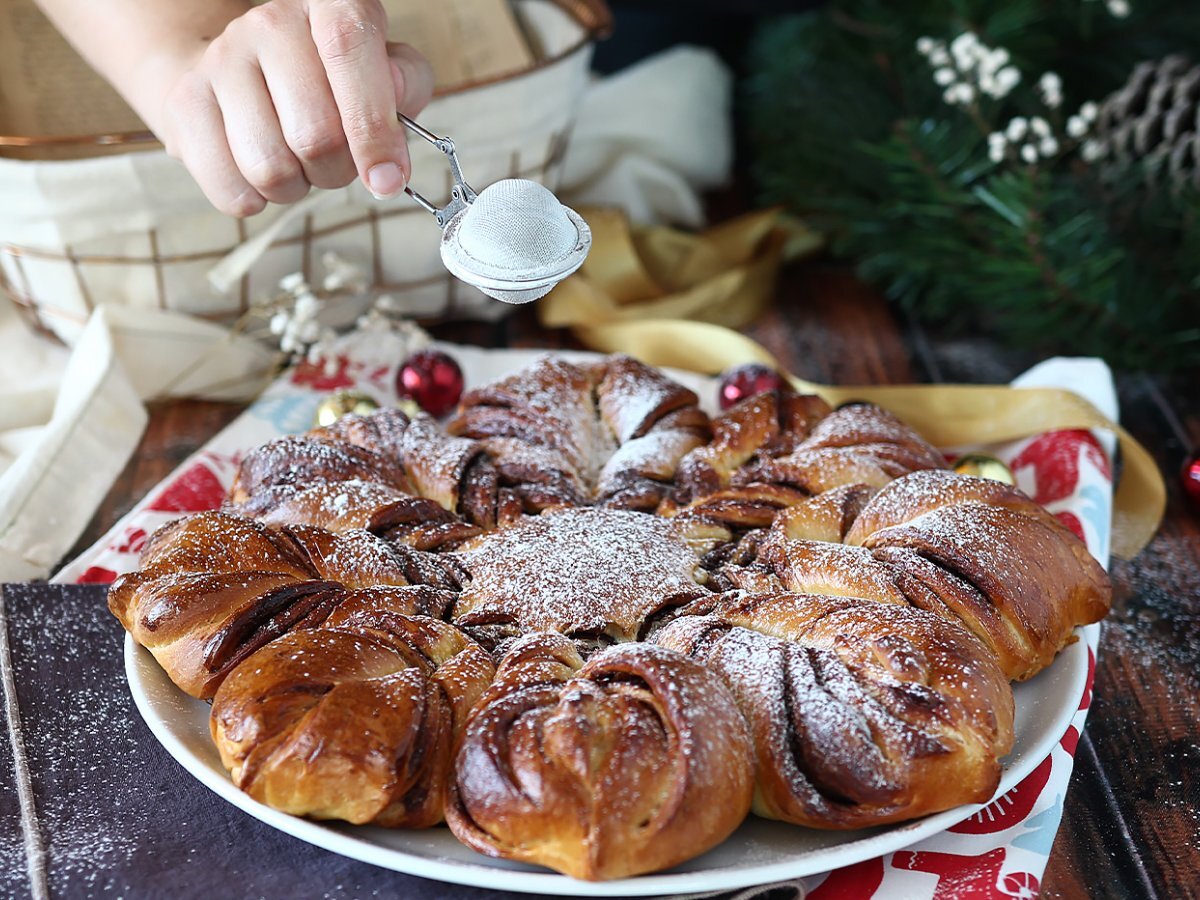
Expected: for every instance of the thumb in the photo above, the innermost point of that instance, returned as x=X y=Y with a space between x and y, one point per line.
x=412 y=76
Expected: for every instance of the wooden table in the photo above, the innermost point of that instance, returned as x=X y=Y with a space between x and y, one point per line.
x=1131 y=826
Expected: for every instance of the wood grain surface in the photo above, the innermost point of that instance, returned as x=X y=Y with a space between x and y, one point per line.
x=1131 y=825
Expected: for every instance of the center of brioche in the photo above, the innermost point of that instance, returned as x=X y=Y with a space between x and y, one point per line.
x=581 y=571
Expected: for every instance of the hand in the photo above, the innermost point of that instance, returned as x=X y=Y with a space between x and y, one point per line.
x=295 y=94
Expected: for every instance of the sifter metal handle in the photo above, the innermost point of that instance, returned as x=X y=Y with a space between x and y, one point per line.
x=462 y=194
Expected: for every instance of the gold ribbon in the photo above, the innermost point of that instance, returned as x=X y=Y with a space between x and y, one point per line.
x=662 y=297
x=725 y=276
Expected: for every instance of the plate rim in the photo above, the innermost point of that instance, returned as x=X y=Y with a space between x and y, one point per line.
x=335 y=840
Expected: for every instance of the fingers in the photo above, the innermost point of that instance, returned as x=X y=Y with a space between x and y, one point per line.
x=296 y=93
x=255 y=138
x=308 y=115
x=197 y=138
x=350 y=37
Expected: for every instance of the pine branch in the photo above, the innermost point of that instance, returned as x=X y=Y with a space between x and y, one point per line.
x=851 y=131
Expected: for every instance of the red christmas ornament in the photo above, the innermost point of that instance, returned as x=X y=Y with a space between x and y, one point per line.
x=1189 y=478
x=745 y=381
x=432 y=379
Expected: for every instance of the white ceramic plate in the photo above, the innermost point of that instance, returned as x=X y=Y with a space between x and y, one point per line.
x=757 y=853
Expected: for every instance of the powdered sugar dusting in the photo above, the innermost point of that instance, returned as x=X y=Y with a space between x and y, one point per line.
x=579 y=571
x=656 y=456
x=815 y=567
x=65 y=735
x=578 y=429
x=632 y=396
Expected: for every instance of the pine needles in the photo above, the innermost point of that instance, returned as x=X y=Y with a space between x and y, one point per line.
x=850 y=129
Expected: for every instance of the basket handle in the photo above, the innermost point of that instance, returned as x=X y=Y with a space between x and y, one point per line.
x=594 y=15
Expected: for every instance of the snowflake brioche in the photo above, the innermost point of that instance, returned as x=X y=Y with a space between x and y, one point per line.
x=604 y=768
x=589 y=626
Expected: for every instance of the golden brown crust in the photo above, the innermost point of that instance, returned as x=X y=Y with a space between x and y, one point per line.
x=634 y=398
x=437 y=463
x=834 y=570
x=826 y=516
x=1015 y=575
x=344 y=506
x=304 y=461
x=214 y=588
x=560 y=435
x=775 y=450
x=355 y=720
x=367 y=472
x=601 y=770
x=738 y=434
x=858 y=444
x=380 y=432
x=862 y=713
x=200 y=626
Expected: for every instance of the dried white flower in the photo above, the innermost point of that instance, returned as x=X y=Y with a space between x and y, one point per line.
x=341 y=275
x=324 y=347
x=294 y=314
x=1092 y=150
x=1039 y=126
x=1118 y=9
x=293 y=282
x=959 y=94
x=926 y=45
x=945 y=77
x=1017 y=129
x=1089 y=111
x=1077 y=126
x=1047 y=146
x=1050 y=87
x=970 y=69
x=1029 y=153
x=997 y=152
x=308 y=331
x=963 y=47
x=387 y=303
x=307 y=306
x=1007 y=79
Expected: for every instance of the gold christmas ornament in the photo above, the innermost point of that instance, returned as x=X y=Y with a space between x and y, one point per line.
x=983 y=466
x=342 y=403
x=409 y=407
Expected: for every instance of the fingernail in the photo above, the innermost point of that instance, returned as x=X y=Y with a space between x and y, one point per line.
x=385 y=180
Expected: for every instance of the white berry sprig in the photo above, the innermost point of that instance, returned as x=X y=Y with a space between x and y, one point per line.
x=967 y=69
x=293 y=313
x=1028 y=139
x=294 y=321
x=1118 y=9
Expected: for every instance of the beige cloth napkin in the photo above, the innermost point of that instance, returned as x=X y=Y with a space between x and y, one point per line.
x=69 y=422
x=648 y=139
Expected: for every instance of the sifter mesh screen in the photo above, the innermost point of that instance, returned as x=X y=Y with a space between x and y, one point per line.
x=517 y=225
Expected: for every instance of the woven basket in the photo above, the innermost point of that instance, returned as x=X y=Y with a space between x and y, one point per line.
x=132 y=228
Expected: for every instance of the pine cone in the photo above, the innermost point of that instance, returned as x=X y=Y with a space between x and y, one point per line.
x=1154 y=120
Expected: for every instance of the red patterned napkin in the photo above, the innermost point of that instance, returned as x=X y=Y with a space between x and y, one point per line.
x=999 y=852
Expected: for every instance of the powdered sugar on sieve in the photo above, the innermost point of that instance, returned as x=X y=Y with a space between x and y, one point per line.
x=517 y=225
x=515 y=241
